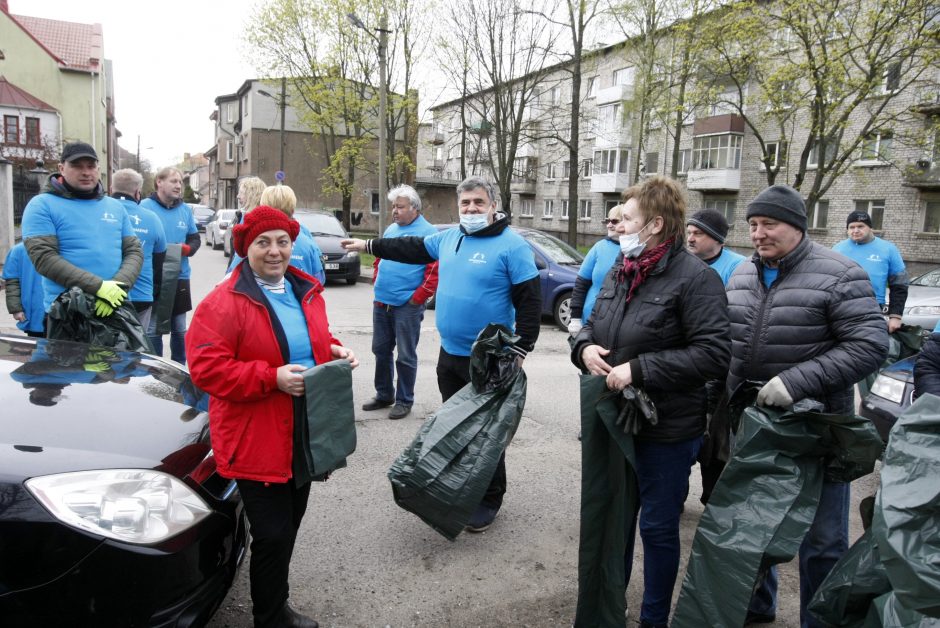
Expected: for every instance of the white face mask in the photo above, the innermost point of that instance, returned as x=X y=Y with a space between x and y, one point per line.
x=473 y=222
x=630 y=244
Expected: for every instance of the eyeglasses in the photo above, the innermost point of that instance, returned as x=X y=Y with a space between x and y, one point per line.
x=611 y=221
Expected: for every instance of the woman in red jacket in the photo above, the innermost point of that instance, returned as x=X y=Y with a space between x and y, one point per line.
x=248 y=343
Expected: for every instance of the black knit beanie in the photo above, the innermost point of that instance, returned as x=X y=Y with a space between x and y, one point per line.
x=712 y=222
x=858 y=216
x=782 y=203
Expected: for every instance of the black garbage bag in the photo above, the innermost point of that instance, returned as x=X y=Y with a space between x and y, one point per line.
x=765 y=502
x=609 y=504
x=445 y=471
x=887 y=611
x=331 y=417
x=72 y=317
x=906 y=525
x=163 y=308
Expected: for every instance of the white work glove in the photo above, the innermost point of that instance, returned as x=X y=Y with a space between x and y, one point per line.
x=774 y=393
x=574 y=326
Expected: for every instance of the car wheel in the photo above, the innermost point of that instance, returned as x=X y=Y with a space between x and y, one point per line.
x=562 y=311
x=226 y=251
x=352 y=280
x=216 y=245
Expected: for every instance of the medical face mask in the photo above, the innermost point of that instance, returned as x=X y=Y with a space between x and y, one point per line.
x=473 y=222
x=630 y=244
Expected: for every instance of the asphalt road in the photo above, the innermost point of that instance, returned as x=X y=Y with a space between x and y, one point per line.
x=360 y=561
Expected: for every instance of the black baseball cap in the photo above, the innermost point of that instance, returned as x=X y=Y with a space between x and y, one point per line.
x=78 y=150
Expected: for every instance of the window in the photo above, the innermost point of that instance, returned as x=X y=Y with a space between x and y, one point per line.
x=587 y=165
x=723 y=205
x=652 y=162
x=11 y=129
x=831 y=149
x=33 y=137
x=932 y=217
x=548 y=209
x=876 y=147
x=875 y=209
x=564 y=209
x=584 y=209
x=550 y=171
x=685 y=160
x=891 y=78
x=726 y=102
x=523 y=169
x=592 y=87
x=777 y=152
x=230 y=112
x=710 y=152
x=817 y=217
x=608 y=117
x=623 y=76
x=609 y=205
x=784 y=38
x=565 y=168
x=229 y=151
x=526 y=206
x=552 y=95
x=606 y=162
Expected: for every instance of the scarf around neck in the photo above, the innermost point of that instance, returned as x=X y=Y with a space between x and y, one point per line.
x=637 y=270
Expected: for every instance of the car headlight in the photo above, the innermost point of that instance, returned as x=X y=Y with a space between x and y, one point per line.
x=131 y=505
x=352 y=254
x=923 y=310
x=888 y=388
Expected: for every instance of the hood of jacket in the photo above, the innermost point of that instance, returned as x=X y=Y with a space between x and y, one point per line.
x=156 y=199
x=56 y=185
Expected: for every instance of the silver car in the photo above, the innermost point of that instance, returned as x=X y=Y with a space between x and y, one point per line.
x=923 y=301
x=220 y=222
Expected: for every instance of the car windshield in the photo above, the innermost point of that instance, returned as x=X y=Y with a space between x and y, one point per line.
x=320 y=224
x=201 y=211
x=931 y=279
x=561 y=252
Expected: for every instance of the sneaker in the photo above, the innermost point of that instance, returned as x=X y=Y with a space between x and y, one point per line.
x=376 y=404
x=400 y=411
x=292 y=619
x=482 y=518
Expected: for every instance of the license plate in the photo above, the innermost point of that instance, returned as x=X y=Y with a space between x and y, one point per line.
x=329 y=266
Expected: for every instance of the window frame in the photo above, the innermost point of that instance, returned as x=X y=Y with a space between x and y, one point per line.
x=32 y=138
x=7 y=129
x=584 y=209
x=718 y=153
x=927 y=214
x=813 y=213
x=548 y=208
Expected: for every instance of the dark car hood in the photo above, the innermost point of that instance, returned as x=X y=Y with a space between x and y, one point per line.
x=902 y=369
x=70 y=407
x=330 y=244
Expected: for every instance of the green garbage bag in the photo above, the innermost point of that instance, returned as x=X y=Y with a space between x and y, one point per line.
x=906 y=525
x=163 y=308
x=609 y=504
x=72 y=317
x=443 y=474
x=331 y=417
x=887 y=611
x=765 y=502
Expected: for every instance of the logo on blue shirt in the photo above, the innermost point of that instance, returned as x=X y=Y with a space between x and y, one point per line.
x=108 y=217
x=478 y=258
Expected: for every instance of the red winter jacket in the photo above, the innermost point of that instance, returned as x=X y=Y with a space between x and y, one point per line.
x=233 y=352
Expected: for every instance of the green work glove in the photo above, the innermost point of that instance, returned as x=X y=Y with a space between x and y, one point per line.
x=96 y=367
x=102 y=309
x=112 y=292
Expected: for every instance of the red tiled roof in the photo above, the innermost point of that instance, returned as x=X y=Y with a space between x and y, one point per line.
x=76 y=46
x=13 y=96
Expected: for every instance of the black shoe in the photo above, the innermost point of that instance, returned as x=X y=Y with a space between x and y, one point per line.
x=290 y=618
x=759 y=618
x=400 y=411
x=482 y=518
x=376 y=404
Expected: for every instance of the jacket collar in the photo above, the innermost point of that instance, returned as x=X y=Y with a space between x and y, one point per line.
x=499 y=225
x=788 y=261
x=57 y=186
x=153 y=196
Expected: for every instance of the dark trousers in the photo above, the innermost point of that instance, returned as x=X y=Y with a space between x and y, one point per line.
x=274 y=513
x=453 y=373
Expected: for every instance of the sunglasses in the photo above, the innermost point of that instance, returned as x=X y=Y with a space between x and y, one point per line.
x=611 y=221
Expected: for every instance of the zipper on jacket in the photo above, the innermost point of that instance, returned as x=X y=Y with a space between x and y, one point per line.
x=760 y=318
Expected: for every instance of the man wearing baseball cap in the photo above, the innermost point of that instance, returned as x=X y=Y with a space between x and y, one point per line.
x=804 y=319
x=881 y=260
x=76 y=235
x=705 y=233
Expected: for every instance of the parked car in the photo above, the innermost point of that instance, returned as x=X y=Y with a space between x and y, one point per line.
x=227 y=247
x=891 y=394
x=112 y=511
x=558 y=264
x=220 y=222
x=202 y=214
x=923 y=301
x=338 y=263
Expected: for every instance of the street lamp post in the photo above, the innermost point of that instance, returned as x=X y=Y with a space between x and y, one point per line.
x=138 y=153
x=382 y=41
x=282 y=102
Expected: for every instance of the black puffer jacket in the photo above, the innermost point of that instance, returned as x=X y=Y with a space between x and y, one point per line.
x=818 y=326
x=927 y=367
x=674 y=333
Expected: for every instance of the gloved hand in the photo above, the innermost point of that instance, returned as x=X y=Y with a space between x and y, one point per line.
x=112 y=292
x=774 y=393
x=96 y=367
x=186 y=250
x=574 y=326
x=102 y=309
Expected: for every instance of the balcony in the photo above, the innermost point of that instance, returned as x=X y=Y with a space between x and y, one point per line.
x=613 y=137
x=923 y=175
x=615 y=93
x=435 y=164
x=437 y=138
x=713 y=125
x=527 y=149
x=614 y=182
x=714 y=180
x=482 y=127
x=523 y=185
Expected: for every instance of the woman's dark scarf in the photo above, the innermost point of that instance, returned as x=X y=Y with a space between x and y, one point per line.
x=641 y=267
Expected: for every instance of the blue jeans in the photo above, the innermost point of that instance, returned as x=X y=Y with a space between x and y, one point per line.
x=396 y=325
x=663 y=476
x=824 y=544
x=177 y=338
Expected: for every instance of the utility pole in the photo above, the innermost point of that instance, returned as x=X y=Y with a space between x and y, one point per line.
x=283 y=111
x=383 y=122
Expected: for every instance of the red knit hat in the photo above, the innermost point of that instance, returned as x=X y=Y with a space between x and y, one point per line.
x=259 y=220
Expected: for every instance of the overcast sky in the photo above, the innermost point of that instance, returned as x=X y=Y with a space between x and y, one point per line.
x=169 y=49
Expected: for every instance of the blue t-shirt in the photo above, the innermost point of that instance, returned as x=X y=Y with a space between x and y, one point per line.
x=597 y=263
x=770 y=276
x=396 y=281
x=90 y=234
x=19 y=266
x=149 y=231
x=292 y=319
x=880 y=259
x=307 y=256
x=725 y=264
x=178 y=223
x=476 y=276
